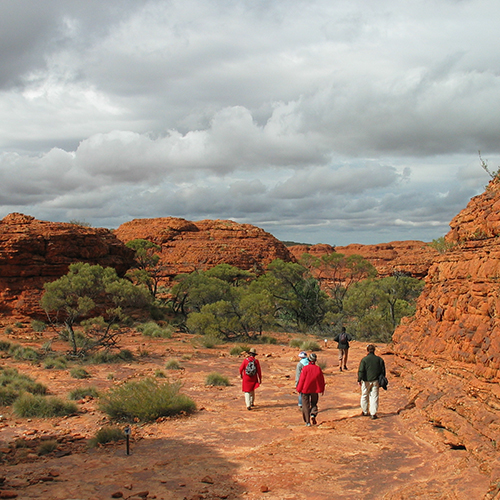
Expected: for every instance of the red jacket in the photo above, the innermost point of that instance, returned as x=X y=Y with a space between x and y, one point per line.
x=311 y=380
x=250 y=383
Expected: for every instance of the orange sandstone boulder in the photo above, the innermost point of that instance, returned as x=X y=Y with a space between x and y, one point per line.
x=33 y=252
x=187 y=246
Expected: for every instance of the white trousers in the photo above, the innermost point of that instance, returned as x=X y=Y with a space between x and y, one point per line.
x=369 y=397
x=249 y=398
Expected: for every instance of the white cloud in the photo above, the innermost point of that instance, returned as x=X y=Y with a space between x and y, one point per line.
x=347 y=120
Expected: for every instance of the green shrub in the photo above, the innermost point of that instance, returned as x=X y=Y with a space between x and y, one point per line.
x=296 y=343
x=237 y=350
x=210 y=341
x=31 y=405
x=267 y=339
x=152 y=329
x=145 y=400
x=11 y=381
x=17 y=351
x=102 y=357
x=5 y=345
x=105 y=435
x=8 y=330
x=47 y=447
x=79 y=373
x=310 y=345
x=173 y=364
x=59 y=363
x=217 y=379
x=160 y=374
x=8 y=395
x=38 y=326
x=83 y=392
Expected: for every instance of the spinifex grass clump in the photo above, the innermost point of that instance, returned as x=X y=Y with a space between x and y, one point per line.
x=31 y=405
x=107 y=434
x=13 y=383
x=83 y=392
x=217 y=379
x=145 y=400
x=79 y=373
x=152 y=329
x=173 y=364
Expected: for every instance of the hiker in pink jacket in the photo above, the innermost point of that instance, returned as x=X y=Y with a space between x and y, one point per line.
x=251 y=376
x=311 y=385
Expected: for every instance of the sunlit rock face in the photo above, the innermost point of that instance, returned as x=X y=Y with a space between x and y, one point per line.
x=33 y=252
x=188 y=246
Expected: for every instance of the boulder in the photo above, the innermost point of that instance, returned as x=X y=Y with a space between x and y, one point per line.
x=33 y=252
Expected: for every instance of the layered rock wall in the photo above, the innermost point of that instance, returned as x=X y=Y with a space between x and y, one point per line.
x=33 y=252
x=187 y=246
x=410 y=257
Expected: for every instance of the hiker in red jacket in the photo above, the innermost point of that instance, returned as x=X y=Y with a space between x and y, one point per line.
x=311 y=384
x=251 y=375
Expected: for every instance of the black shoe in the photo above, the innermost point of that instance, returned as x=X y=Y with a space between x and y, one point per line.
x=363 y=414
x=249 y=407
x=374 y=417
x=345 y=368
x=340 y=368
x=313 y=419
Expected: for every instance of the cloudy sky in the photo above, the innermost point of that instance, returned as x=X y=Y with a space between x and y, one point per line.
x=332 y=121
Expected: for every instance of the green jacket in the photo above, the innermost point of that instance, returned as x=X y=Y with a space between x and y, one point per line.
x=371 y=367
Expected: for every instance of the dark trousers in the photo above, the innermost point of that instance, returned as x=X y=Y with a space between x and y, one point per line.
x=309 y=406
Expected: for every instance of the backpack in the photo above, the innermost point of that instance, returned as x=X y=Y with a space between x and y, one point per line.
x=343 y=338
x=251 y=368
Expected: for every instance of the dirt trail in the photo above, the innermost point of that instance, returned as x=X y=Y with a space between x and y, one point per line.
x=226 y=451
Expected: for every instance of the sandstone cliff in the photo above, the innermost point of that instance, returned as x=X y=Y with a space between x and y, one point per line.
x=410 y=257
x=454 y=338
x=33 y=252
x=187 y=246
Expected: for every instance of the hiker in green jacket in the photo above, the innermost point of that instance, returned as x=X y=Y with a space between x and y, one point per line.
x=370 y=369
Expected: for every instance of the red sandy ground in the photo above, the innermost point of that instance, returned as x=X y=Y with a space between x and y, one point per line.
x=226 y=451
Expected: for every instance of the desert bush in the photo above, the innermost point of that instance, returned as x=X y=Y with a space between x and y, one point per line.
x=105 y=435
x=31 y=405
x=17 y=351
x=83 y=392
x=173 y=364
x=79 y=373
x=210 y=341
x=216 y=379
x=145 y=400
x=38 y=326
x=310 y=345
x=237 y=350
x=5 y=345
x=11 y=381
x=8 y=395
x=8 y=330
x=267 y=339
x=296 y=343
x=47 y=447
x=102 y=357
x=160 y=374
x=152 y=329
x=59 y=363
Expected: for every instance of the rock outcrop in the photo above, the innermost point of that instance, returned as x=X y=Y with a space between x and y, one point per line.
x=409 y=257
x=187 y=246
x=454 y=337
x=33 y=252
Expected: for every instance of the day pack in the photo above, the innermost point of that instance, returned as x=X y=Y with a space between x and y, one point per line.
x=251 y=368
x=343 y=338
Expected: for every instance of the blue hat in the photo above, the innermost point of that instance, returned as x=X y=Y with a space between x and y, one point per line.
x=302 y=354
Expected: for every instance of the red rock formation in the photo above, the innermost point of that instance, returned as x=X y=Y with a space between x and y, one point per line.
x=33 y=252
x=187 y=246
x=410 y=257
x=455 y=335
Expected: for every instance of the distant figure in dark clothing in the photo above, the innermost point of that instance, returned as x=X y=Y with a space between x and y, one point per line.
x=343 y=339
x=370 y=369
x=311 y=384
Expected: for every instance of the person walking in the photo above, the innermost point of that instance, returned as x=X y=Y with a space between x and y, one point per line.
x=298 y=370
x=251 y=375
x=343 y=339
x=311 y=384
x=370 y=369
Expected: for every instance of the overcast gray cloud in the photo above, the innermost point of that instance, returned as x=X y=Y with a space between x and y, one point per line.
x=335 y=122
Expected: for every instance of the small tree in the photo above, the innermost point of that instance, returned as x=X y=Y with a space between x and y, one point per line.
x=94 y=294
x=148 y=271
